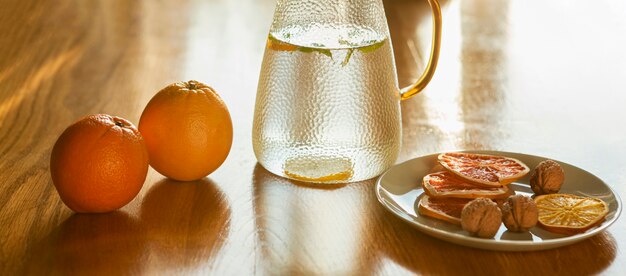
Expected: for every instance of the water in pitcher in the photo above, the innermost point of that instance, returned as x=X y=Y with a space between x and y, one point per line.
x=327 y=107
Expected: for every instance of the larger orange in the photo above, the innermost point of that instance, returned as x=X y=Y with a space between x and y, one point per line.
x=99 y=164
x=188 y=130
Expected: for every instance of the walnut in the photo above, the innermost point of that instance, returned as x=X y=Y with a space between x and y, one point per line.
x=519 y=213
x=547 y=178
x=481 y=217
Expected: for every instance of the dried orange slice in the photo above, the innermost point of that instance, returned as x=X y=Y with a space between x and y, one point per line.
x=446 y=209
x=277 y=45
x=483 y=169
x=446 y=184
x=569 y=214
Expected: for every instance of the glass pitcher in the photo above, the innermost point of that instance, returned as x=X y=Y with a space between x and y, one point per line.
x=328 y=103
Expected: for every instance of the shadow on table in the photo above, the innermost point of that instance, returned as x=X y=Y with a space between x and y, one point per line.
x=108 y=243
x=180 y=225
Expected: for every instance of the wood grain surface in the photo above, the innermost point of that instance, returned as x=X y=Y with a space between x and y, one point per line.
x=538 y=77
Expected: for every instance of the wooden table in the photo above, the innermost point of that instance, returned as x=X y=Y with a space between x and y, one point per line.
x=538 y=77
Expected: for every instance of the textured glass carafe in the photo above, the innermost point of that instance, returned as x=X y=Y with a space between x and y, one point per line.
x=328 y=103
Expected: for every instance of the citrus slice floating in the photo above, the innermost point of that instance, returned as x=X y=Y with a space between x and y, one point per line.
x=447 y=184
x=277 y=45
x=325 y=169
x=483 y=169
x=446 y=209
x=569 y=214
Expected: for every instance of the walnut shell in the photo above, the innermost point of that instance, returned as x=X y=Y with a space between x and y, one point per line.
x=519 y=213
x=547 y=178
x=481 y=217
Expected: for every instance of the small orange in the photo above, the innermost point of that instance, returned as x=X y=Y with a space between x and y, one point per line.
x=483 y=169
x=188 y=130
x=99 y=164
x=570 y=214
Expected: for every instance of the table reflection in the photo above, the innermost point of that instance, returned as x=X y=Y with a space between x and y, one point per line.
x=306 y=229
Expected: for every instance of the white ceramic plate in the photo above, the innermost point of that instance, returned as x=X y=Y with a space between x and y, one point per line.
x=399 y=190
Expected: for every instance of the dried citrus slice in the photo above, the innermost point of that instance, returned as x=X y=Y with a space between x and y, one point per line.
x=483 y=169
x=446 y=209
x=569 y=214
x=446 y=184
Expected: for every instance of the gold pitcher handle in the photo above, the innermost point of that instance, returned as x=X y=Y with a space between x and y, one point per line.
x=415 y=88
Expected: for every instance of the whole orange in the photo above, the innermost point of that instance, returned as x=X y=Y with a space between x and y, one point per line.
x=99 y=164
x=188 y=130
